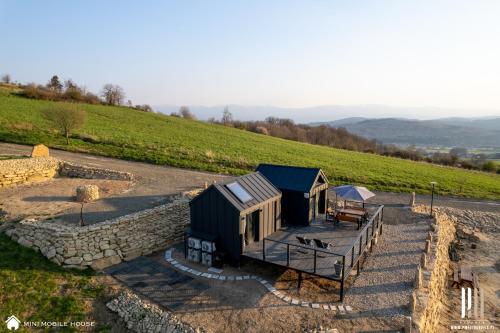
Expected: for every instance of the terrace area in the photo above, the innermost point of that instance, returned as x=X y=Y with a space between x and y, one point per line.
x=348 y=245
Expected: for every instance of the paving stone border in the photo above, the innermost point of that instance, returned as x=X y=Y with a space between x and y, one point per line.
x=338 y=309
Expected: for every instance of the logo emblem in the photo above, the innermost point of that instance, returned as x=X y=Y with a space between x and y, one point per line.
x=12 y=323
x=468 y=302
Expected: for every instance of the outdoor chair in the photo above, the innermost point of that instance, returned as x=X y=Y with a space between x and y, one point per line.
x=303 y=241
x=322 y=245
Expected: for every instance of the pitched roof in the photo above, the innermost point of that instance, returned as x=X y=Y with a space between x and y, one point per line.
x=291 y=178
x=255 y=184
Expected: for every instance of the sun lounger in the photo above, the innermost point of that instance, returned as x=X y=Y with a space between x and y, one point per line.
x=303 y=241
x=322 y=245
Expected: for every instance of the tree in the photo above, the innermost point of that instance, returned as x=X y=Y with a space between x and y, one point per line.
x=144 y=107
x=6 y=78
x=113 y=94
x=66 y=117
x=459 y=152
x=227 y=117
x=185 y=113
x=54 y=84
x=489 y=166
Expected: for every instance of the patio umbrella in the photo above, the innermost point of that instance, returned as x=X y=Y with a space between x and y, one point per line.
x=354 y=193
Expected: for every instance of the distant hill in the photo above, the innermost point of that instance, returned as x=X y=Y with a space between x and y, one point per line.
x=445 y=132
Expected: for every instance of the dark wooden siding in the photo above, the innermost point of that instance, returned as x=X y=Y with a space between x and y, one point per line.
x=294 y=208
x=213 y=215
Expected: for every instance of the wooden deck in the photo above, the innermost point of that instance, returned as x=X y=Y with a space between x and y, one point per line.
x=282 y=247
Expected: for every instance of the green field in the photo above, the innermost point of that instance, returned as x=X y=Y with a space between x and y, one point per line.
x=129 y=134
x=35 y=289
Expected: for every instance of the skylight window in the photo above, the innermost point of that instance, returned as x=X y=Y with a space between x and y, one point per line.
x=239 y=192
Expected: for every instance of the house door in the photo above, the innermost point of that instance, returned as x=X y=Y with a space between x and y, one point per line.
x=252 y=228
x=322 y=202
x=314 y=206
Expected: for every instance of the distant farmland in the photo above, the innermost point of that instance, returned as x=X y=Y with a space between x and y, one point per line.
x=130 y=134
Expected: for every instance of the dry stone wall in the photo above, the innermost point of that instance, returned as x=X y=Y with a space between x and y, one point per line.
x=24 y=170
x=144 y=317
x=432 y=276
x=67 y=169
x=109 y=242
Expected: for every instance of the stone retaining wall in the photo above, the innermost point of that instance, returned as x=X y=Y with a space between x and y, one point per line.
x=109 y=242
x=143 y=317
x=72 y=170
x=23 y=170
x=432 y=277
x=26 y=170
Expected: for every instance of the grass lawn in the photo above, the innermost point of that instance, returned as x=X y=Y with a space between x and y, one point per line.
x=130 y=134
x=34 y=289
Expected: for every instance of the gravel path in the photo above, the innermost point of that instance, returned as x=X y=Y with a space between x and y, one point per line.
x=386 y=281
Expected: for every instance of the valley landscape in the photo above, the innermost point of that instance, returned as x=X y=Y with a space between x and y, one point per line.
x=231 y=167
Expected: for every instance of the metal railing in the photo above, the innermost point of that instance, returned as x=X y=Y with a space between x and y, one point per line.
x=297 y=256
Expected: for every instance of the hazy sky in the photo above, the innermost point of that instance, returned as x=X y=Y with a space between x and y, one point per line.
x=442 y=54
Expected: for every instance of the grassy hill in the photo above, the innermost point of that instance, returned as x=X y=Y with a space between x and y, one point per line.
x=130 y=134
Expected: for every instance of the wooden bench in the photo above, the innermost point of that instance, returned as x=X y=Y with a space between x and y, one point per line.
x=462 y=275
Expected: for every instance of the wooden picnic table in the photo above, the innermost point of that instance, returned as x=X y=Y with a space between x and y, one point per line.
x=348 y=211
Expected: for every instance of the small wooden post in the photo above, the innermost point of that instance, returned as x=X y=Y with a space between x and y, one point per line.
x=264 y=249
x=423 y=261
x=427 y=246
x=315 y=253
x=288 y=254
x=418 y=278
x=342 y=280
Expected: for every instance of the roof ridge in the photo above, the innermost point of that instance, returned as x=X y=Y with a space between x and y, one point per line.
x=289 y=166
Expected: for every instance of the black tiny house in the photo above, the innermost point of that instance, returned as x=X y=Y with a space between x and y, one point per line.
x=304 y=191
x=236 y=213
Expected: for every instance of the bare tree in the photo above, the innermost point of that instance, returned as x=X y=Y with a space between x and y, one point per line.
x=185 y=113
x=113 y=94
x=227 y=117
x=6 y=78
x=66 y=117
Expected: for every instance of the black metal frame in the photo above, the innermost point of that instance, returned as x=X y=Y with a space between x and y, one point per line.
x=364 y=238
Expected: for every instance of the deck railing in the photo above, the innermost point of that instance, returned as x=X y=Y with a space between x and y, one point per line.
x=325 y=263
